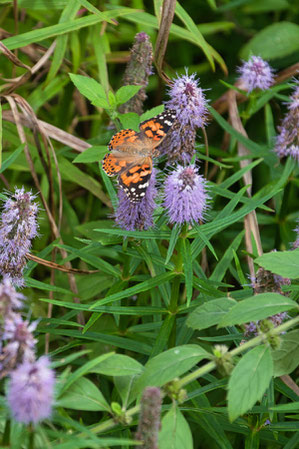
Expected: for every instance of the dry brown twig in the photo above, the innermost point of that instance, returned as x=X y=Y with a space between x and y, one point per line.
x=250 y=221
x=167 y=15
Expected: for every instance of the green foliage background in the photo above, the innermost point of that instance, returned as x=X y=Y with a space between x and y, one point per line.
x=140 y=325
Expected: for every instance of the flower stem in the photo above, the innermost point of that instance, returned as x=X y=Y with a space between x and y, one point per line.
x=253 y=342
x=31 y=437
x=6 y=433
x=204 y=370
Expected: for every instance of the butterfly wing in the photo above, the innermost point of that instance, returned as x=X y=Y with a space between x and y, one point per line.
x=131 y=154
x=135 y=179
x=156 y=128
x=121 y=146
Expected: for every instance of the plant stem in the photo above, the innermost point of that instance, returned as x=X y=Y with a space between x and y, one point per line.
x=6 y=433
x=204 y=370
x=253 y=342
x=31 y=437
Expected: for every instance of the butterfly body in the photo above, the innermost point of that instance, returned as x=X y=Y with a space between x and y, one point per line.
x=131 y=154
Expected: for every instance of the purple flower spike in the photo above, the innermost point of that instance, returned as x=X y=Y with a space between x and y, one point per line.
x=9 y=298
x=187 y=99
x=256 y=74
x=287 y=141
x=266 y=281
x=149 y=421
x=20 y=345
x=189 y=102
x=137 y=216
x=30 y=391
x=185 y=196
x=17 y=228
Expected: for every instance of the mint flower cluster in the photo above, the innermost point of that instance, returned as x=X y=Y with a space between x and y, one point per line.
x=263 y=282
x=18 y=227
x=255 y=74
x=287 y=141
x=31 y=381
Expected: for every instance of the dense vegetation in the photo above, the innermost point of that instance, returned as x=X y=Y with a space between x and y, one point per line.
x=170 y=320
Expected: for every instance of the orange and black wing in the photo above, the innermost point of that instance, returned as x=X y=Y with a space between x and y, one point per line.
x=157 y=127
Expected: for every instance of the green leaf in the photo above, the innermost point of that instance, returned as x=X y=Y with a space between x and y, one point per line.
x=286 y=358
x=175 y=431
x=284 y=263
x=42 y=4
x=170 y=364
x=124 y=386
x=91 y=89
x=124 y=93
x=206 y=241
x=249 y=381
x=92 y=154
x=253 y=147
x=163 y=335
x=130 y=120
x=21 y=40
x=256 y=6
x=152 y=112
x=29 y=282
x=83 y=395
x=141 y=287
x=70 y=172
x=118 y=365
x=196 y=34
x=68 y=14
x=285 y=408
x=210 y=313
x=150 y=234
x=84 y=369
x=10 y=160
x=175 y=232
x=273 y=42
x=91 y=8
x=224 y=263
x=257 y=308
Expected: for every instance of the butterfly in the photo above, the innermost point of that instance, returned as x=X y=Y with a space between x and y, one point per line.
x=131 y=154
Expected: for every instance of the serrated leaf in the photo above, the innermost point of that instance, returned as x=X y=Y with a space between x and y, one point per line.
x=210 y=313
x=84 y=395
x=249 y=381
x=125 y=93
x=91 y=89
x=175 y=431
x=284 y=263
x=286 y=357
x=257 y=308
x=93 y=154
